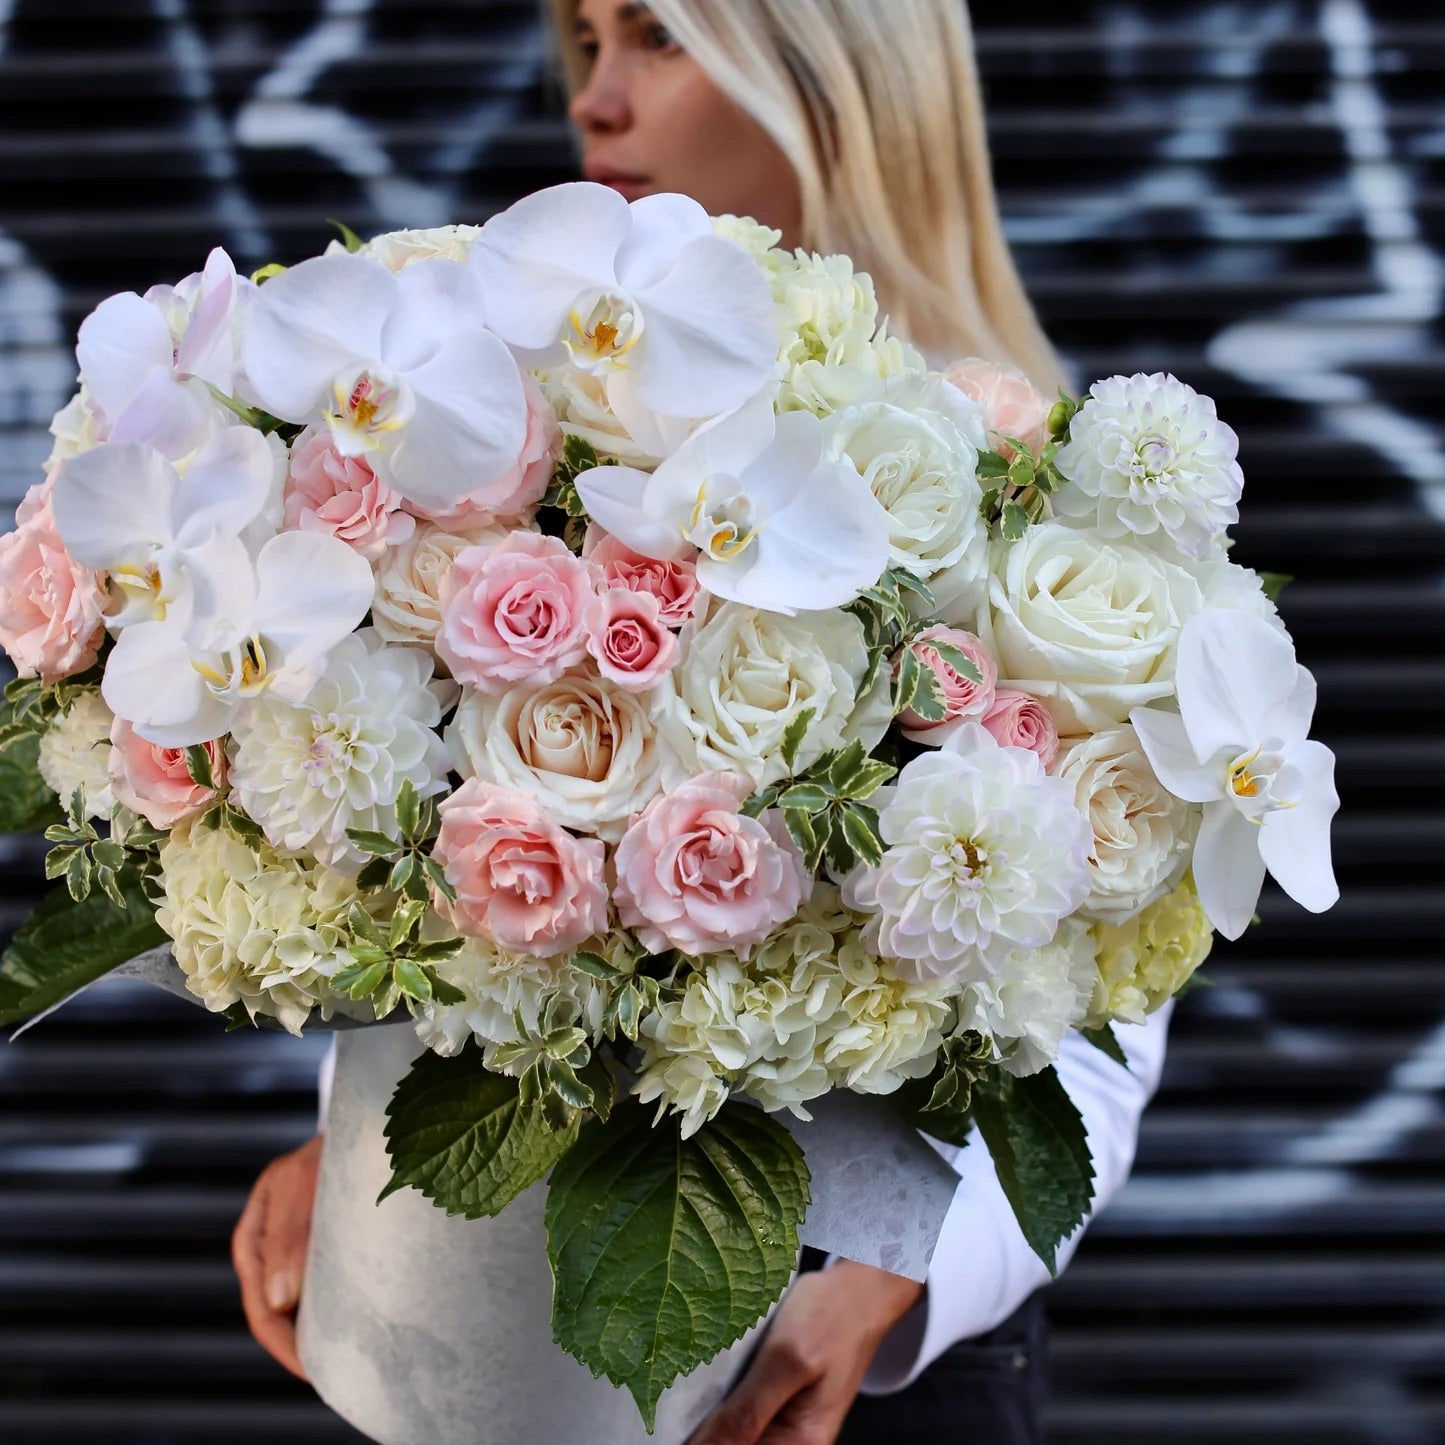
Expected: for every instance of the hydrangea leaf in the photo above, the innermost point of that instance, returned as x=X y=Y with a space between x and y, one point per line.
x=459 y=1134
x=1106 y=1041
x=666 y=1250
x=26 y=799
x=1041 y=1153
x=65 y=945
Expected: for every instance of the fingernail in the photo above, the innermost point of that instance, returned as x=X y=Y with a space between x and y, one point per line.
x=282 y=1291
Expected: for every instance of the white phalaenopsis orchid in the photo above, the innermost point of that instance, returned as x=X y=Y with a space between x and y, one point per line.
x=400 y=368
x=772 y=518
x=181 y=681
x=1239 y=745
x=148 y=362
x=677 y=322
x=125 y=510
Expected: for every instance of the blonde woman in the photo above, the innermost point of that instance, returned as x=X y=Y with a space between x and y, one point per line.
x=852 y=125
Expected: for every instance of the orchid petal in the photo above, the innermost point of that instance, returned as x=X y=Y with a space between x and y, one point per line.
x=309 y=323
x=732 y=444
x=221 y=578
x=711 y=334
x=661 y=225
x=659 y=436
x=614 y=496
x=1166 y=744
x=469 y=426
x=226 y=486
x=1228 y=869
x=208 y=349
x=121 y=343
x=150 y=682
x=435 y=302
x=312 y=591
x=172 y=415
x=1290 y=722
x=1295 y=842
x=113 y=500
x=1234 y=670
x=536 y=257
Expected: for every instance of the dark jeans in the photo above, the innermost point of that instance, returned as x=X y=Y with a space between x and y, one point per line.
x=989 y=1389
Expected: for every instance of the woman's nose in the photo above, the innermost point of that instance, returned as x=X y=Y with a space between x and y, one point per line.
x=602 y=104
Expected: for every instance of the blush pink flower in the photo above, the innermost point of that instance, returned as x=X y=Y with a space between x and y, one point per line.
x=1011 y=405
x=518 y=611
x=963 y=699
x=674 y=584
x=51 y=608
x=343 y=497
x=694 y=873
x=155 y=782
x=515 y=492
x=521 y=881
x=630 y=641
x=1019 y=720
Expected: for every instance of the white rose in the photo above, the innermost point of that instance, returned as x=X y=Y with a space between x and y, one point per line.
x=409 y=578
x=580 y=401
x=1143 y=834
x=587 y=749
x=75 y=753
x=746 y=675
x=1091 y=627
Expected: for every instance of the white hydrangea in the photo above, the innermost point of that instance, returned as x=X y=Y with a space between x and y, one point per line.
x=1034 y=998
x=252 y=927
x=307 y=771
x=75 y=753
x=499 y=986
x=755 y=238
x=812 y=1009
x=985 y=853
x=1149 y=457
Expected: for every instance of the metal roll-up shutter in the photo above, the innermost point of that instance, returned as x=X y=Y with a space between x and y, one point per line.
x=1250 y=195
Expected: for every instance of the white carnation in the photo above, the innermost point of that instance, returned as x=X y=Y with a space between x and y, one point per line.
x=1035 y=997
x=686 y=1084
x=75 y=753
x=407 y=607
x=1143 y=834
x=985 y=853
x=746 y=675
x=587 y=749
x=251 y=927
x=1090 y=627
x=308 y=770
x=1149 y=457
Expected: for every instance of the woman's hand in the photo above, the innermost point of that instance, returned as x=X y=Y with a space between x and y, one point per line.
x=269 y=1249
x=812 y=1360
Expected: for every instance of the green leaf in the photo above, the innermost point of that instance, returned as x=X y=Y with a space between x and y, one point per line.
x=992 y=464
x=860 y=828
x=198 y=765
x=457 y=1133
x=910 y=679
x=1104 y=1040
x=65 y=945
x=442 y=991
x=1015 y=521
x=845 y=766
x=359 y=980
x=803 y=828
x=260 y=277
x=411 y=978
x=26 y=799
x=595 y=966
x=377 y=845
x=408 y=809
x=1040 y=1152
x=436 y=876
x=869 y=778
x=956 y=658
x=1275 y=583
x=928 y=700
x=666 y=1250
x=350 y=239
x=810 y=797
x=794 y=734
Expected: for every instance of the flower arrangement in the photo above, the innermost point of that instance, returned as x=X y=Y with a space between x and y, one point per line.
x=593 y=634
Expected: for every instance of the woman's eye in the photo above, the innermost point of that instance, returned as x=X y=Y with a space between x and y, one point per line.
x=588 y=50
x=658 y=37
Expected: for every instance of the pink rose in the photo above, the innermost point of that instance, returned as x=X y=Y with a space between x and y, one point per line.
x=963 y=699
x=674 y=584
x=1011 y=405
x=154 y=781
x=342 y=496
x=51 y=608
x=694 y=873
x=1019 y=720
x=516 y=612
x=515 y=492
x=521 y=881
x=631 y=643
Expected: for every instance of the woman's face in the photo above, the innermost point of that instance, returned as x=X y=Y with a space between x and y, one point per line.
x=651 y=120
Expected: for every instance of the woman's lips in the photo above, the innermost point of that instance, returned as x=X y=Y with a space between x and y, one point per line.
x=627 y=184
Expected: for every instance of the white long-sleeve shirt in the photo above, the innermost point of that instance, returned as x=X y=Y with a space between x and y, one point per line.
x=983 y=1268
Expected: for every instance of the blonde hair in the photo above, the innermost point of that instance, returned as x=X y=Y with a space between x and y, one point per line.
x=876 y=104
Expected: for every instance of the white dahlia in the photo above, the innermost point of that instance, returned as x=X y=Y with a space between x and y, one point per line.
x=1148 y=455
x=307 y=771
x=1036 y=996
x=252 y=927
x=75 y=753
x=985 y=853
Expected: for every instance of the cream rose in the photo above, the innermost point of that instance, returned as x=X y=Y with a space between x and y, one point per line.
x=1091 y=627
x=409 y=577
x=585 y=748
x=746 y=676
x=1143 y=835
